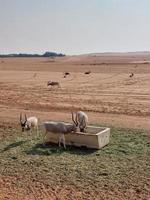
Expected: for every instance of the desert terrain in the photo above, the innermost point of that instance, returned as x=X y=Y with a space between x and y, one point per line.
x=108 y=95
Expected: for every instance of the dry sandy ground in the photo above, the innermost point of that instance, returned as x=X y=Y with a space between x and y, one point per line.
x=40 y=191
x=108 y=95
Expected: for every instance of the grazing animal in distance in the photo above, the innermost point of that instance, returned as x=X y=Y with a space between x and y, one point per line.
x=53 y=83
x=66 y=74
x=60 y=128
x=131 y=75
x=29 y=123
x=81 y=120
x=87 y=72
x=34 y=75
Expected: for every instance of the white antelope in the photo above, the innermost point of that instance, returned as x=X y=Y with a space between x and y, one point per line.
x=60 y=128
x=81 y=120
x=30 y=123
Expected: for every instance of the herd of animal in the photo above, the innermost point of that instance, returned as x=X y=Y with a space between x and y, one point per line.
x=79 y=121
x=55 y=83
x=65 y=74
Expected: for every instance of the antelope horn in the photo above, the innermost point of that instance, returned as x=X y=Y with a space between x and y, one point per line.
x=25 y=117
x=76 y=120
x=20 y=117
x=73 y=119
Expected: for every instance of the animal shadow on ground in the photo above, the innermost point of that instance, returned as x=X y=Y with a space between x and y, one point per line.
x=51 y=148
x=13 y=145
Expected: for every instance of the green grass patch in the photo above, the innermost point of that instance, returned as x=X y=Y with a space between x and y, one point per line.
x=125 y=161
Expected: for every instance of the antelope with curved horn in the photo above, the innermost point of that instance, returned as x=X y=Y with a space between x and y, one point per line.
x=81 y=120
x=60 y=128
x=29 y=123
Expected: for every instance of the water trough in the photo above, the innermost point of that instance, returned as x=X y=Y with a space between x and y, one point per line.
x=95 y=137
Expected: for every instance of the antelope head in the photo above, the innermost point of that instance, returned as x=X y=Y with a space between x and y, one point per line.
x=23 y=123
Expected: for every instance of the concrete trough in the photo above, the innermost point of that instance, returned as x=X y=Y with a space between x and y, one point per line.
x=95 y=137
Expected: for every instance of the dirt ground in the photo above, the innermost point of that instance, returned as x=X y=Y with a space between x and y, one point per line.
x=109 y=96
x=40 y=191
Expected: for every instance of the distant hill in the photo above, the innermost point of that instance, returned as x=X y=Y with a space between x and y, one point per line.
x=46 y=54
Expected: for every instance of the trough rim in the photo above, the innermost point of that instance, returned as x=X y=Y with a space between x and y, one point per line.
x=100 y=132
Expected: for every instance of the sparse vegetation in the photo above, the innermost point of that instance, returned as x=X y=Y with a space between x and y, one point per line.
x=123 y=164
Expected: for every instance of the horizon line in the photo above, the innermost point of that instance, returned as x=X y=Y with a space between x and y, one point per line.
x=90 y=53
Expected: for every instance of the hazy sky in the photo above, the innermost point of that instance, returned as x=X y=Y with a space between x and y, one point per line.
x=74 y=26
